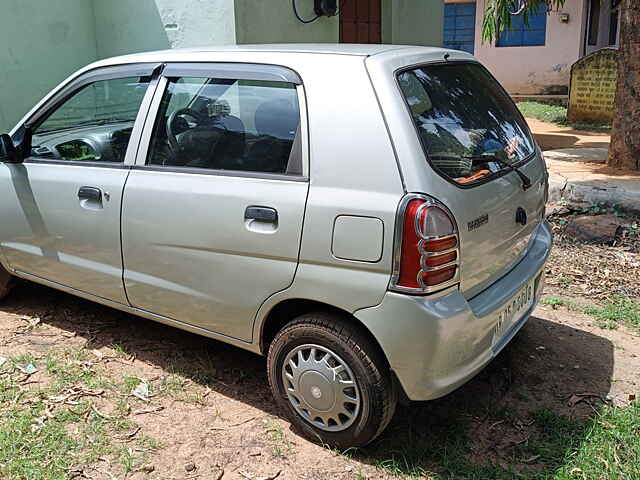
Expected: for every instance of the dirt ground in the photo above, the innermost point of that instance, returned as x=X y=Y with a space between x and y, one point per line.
x=220 y=421
x=553 y=137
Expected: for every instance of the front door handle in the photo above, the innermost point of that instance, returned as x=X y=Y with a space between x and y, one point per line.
x=90 y=193
x=263 y=214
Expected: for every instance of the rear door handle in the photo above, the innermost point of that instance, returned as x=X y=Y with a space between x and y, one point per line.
x=264 y=214
x=90 y=193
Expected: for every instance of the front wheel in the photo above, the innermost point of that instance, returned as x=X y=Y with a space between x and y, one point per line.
x=332 y=380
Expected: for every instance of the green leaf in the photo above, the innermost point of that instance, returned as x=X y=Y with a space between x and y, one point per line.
x=498 y=14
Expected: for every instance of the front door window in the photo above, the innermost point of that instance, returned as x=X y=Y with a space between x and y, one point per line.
x=94 y=124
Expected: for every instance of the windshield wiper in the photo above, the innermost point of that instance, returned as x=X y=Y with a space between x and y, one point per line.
x=526 y=181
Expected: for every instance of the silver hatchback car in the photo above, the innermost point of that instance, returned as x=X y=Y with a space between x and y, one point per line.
x=370 y=218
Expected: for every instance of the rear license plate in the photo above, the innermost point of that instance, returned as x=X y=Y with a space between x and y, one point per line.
x=515 y=308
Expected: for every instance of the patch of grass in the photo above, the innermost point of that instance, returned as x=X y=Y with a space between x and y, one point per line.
x=601 y=208
x=607 y=324
x=544 y=112
x=552 y=301
x=558 y=437
x=556 y=114
x=609 y=447
x=70 y=367
x=120 y=350
x=23 y=359
x=280 y=445
x=172 y=384
x=558 y=448
x=404 y=452
x=565 y=281
x=197 y=397
x=129 y=383
x=617 y=309
x=30 y=454
x=42 y=436
x=555 y=302
x=179 y=388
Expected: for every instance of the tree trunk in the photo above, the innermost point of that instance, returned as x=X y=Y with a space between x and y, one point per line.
x=625 y=134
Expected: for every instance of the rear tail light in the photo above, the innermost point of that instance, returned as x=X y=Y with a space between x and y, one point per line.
x=427 y=247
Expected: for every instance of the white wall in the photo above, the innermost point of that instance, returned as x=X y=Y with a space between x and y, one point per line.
x=197 y=23
x=413 y=22
x=536 y=70
x=273 y=21
x=41 y=43
x=126 y=26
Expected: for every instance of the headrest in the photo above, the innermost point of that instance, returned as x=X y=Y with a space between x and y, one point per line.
x=277 y=118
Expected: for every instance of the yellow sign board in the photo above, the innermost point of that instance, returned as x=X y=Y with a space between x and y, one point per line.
x=593 y=87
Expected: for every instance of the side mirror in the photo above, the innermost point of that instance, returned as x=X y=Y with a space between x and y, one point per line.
x=8 y=152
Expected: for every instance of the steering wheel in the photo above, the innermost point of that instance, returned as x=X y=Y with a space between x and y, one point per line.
x=171 y=135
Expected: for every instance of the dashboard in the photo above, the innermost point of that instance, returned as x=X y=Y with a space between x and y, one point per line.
x=95 y=143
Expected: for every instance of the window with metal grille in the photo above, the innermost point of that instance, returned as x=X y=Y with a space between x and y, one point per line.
x=460 y=26
x=525 y=34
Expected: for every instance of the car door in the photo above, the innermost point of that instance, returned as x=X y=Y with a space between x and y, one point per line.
x=60 y=208
x=213 y=209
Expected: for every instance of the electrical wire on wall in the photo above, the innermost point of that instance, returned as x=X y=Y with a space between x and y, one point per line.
x=318 y=15
x=295 y=11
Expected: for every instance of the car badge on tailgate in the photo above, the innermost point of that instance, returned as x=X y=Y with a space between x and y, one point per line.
x=478 y=222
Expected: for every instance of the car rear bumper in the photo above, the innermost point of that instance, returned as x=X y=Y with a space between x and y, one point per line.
x=436 y=344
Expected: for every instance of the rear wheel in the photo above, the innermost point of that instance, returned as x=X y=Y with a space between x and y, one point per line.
x=332 y=380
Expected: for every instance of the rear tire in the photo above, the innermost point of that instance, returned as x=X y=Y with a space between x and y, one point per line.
x=331 y=380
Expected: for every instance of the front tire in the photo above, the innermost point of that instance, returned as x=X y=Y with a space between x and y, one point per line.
x=331 y=380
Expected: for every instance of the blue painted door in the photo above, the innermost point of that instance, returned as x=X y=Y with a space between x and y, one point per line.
x=460 y=26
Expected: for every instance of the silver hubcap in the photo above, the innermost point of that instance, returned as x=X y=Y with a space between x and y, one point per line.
x=321 y=387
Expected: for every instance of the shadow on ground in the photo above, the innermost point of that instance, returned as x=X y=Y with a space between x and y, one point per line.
x=554 y=141
x=515 y=416
x=523 y=414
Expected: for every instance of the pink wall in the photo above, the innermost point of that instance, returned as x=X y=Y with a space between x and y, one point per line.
x=536 y=70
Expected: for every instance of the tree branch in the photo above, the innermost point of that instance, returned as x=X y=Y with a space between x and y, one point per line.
x=498 y=14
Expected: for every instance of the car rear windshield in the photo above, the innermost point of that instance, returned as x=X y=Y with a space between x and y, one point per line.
x=469 y=127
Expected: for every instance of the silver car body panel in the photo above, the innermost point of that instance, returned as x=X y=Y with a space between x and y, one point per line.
x=485 y=254
x=47 y=230
x=447 y=338
x=361 y=156
x=190 y=255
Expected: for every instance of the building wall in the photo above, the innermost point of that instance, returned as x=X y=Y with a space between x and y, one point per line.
x=65 y=35
x=407 y=22
x=41 y=43
x=196 y=23
x=127 y=26
x=536 y=70
x=415 y=22
x=273 y=21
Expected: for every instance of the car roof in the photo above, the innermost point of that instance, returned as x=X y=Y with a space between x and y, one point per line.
x=353 y=49
x=389 y=57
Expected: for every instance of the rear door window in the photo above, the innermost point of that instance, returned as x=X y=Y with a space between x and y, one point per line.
x=469 y=127
x=228 y=124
